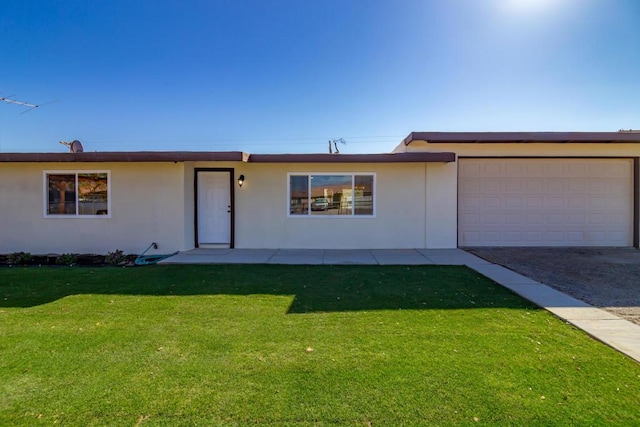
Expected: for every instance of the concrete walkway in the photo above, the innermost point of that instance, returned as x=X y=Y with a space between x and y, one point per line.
x=612 y=330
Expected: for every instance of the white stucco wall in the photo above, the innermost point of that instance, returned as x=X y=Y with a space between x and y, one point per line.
x=147 y=205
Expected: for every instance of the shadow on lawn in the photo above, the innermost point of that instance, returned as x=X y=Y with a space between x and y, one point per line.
x=315 y=288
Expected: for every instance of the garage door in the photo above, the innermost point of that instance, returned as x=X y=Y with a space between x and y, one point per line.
x=545 y=202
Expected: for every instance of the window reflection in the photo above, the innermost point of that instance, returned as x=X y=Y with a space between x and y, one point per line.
x=331 y=195
x=299 y=195
x=363 y=194
x=92 y=197
x=62 y=195
x=77 y=194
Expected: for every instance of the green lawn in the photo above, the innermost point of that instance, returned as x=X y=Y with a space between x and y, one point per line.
x=295 y=345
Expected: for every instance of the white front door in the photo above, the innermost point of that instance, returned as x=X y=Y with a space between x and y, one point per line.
x=214 y=208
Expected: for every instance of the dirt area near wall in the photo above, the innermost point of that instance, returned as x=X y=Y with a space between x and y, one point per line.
x=608 y=278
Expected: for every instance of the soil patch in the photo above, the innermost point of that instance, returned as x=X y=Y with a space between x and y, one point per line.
x=608 y=278
x=53 y=260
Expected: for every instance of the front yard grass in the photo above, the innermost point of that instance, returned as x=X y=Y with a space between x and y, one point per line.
x=295 y=345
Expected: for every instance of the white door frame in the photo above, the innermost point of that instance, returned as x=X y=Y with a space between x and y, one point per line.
x=230 y=171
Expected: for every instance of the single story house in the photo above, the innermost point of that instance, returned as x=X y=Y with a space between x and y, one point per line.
x=435 y=190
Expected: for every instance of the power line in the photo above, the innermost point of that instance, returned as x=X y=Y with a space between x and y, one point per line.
x=254 y=141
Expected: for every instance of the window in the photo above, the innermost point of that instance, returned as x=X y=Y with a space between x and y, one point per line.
x=76 y=193
x=331 y=194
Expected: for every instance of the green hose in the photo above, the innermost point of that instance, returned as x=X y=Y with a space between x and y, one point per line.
x=151 y=259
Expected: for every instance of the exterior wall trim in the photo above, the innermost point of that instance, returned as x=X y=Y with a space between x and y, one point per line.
x=636 y=202
x=523 y=137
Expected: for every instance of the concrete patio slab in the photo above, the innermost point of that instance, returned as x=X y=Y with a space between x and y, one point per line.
x=222 y=256
x=347 y=257
x=207 y=252
x=184 y=258
x=451 y=257
x=298 y=256
x=399 y=257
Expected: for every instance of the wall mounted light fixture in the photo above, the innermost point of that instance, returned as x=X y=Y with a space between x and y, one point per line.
x=240 y=180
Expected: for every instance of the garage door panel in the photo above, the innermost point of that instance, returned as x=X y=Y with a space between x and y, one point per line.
x=513 y=202
x=513 y=186
x=598 y=202
x=545 y=202
x=577 y=219
x=576 y=202
x=534 y=203
x=554 y=219
x=514 y=219
x=576 y=170
x=533 y=187
x=618 y=172
x=492 y=202
x=578 y=185
x=553 y=202
x=554 y=185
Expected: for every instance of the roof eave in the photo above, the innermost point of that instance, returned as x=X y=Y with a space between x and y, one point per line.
x=126 y=156
x=524 y=137
x=422 y=157
x=231 y=156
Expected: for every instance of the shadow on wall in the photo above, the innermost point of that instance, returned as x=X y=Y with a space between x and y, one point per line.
x=313 y=288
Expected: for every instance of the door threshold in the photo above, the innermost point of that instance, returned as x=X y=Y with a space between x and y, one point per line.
x=214 y=245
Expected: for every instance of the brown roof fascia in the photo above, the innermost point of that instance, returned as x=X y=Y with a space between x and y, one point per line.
x=224 y=156
x=124 y=156
x=353 y=158
x=523 y=137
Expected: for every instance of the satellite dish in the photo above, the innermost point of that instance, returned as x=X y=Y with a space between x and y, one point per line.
x=74 y=147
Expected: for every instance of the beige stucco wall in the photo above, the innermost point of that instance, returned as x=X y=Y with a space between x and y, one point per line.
x=189 y=206
x=146 y=206
x=402 y=197
x=626 y=150
x=441 y=210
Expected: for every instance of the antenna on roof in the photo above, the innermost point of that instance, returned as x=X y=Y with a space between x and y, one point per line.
x=24 y=104
x=629 y=131
x=75 y=146
x=335 y=144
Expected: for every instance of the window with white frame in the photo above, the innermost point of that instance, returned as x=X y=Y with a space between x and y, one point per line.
x=69 y=193
x=331 y=194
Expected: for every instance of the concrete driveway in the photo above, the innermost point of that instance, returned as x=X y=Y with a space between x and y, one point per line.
x=608 y=278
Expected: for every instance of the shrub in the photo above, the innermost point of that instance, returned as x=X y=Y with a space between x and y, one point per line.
x=116 y=257
x=67 y=259
x=19 y=258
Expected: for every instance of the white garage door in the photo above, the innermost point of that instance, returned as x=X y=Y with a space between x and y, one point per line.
x=545 y=202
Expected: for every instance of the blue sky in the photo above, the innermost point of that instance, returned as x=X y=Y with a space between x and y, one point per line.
x=286 y=76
